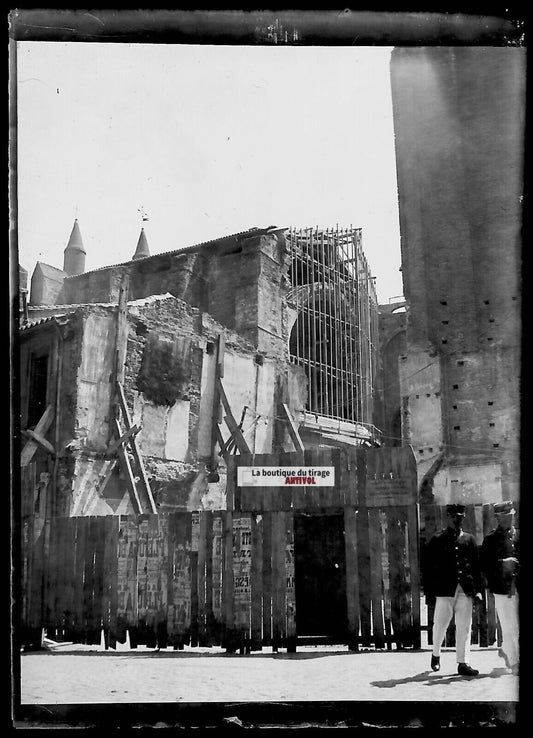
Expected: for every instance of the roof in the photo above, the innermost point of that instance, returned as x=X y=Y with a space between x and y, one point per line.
x=142 y=249
x=51 y=319
x=50 y=271
x=197 y=247
x=75 y=243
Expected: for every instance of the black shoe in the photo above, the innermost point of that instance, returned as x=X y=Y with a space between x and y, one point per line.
x=504 y=656
x=466 y=670
x=435 y=663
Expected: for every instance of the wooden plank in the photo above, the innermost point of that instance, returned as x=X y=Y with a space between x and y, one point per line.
x=148 y=504
x=65 y=573
x=489 y=523
x=195 y=535
x=224 y=450
x=124 y=437
x=361 y=473
x=242 y=559
x=209 y=615
x=352 y=498
x=122 y=327
x=179 y=578
x=30 y=447
x=236 y=434
x=82 y=525
x=376 y=576
x=317 y=456
x=35 y=616
x=98 y=525
x=217 y=569
x=256 y=583
x=352 y=577
x=298 y=495
x=363 y=565
x=308 y=499
x=335 y=495
x=290 y=591
x=26 y=550
x=101 y=484
x=88 y=569
x=39 y=440
x=161 y=569
x=267 y=577
x=150 y=544
x=273 y=496
x=397 y=574
x=387 y=610
x=227 y=582
x=126 y=465
x=406 y=592
x=278 y=579
x=49 y=575
x=110 y=600
x=51 y=579
x=230 y=421
x=221 y=347
x=202 y=583
x=413 y=525
x=127 y=596
x=231 y=482
x=293 y=430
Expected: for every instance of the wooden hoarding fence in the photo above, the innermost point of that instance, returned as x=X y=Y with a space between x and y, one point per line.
x=235 y=577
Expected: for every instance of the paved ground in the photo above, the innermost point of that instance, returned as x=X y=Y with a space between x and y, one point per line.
x=88 y=676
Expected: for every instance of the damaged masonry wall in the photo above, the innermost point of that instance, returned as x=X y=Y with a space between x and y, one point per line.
x=169 y=370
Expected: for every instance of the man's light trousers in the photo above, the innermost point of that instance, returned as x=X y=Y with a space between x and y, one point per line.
x=507 y=610
x=445 y=607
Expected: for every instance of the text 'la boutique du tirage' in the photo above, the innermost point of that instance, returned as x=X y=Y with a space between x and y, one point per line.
x=276 y=476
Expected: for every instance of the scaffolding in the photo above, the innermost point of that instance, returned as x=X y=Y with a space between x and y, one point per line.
x=335 y=322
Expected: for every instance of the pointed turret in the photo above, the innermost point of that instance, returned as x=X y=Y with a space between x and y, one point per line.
x=142 y=249
x=74 y=254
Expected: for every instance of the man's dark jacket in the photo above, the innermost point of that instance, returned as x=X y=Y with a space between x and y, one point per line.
x=451 y=559
x=497 y=545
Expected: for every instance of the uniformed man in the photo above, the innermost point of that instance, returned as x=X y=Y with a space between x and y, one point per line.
x=452 y=578
x=500 y=566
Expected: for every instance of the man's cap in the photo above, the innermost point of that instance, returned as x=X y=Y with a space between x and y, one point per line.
x=455 y=509
x=504 y=507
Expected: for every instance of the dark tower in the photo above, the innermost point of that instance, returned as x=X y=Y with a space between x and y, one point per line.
x=142 y=249
x=74 y=259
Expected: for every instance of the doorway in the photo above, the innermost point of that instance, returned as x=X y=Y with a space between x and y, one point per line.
x=320 y=575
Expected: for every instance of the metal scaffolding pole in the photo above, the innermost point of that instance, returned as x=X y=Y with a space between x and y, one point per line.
x=333 y=337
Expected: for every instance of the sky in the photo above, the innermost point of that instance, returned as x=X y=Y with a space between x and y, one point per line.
x=202 y=141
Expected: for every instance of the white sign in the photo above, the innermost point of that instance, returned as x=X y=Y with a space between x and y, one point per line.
x=282 y=476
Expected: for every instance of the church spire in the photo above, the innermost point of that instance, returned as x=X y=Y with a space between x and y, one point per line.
x=74 y=254
x=142 y=249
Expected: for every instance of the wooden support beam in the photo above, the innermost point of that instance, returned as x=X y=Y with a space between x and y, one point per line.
x=102 y=485
x=231 y=442
x=124 y=437
x=224 y=447
x=293 y=430
x=135 y=450
x=221 y=347
x=40 y=429
x=216 y=412
x=236 y=432
x=40 y=440
x=123 y=456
